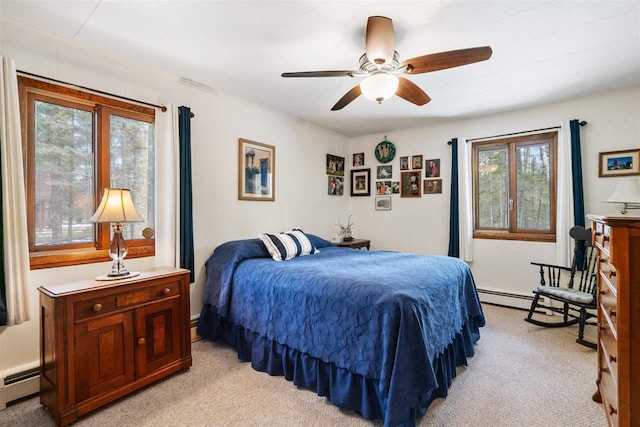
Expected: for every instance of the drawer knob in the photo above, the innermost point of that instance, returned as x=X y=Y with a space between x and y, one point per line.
x=141 y=341
x=611 y=311
x=598 y=233
x=612 y=273
x=604 y=369
x=166 y=291
x=605 y=238
x=602 y=291
x=96 y=307
x=602 y=328
x=603 y=260
x=612 y=410
x=612 y=358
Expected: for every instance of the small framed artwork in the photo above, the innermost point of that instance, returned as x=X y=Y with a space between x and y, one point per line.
x=256 y=171
x=335 y=165
x=410 y=184
x=383 y=187
x=360 y=179
x=404 y=163
x=358 y=159
x=432 y=186
x=416 y=162
x=619 y=163
x=336 y=185
x=383 y=203
x=432 y=168
x=395 y=187
x=384 y=172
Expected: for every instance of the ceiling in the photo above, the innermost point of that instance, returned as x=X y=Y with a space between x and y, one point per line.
x=543 y=51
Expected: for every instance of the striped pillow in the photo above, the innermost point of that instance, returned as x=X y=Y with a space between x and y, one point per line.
x=284 y=246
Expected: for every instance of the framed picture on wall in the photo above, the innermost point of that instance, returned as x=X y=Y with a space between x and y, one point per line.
x=416 y=162
x=360 y=182
x=383 y=203
x=432 y=186
x=404 y=163
x=256 y=171
x=410 y=184
x=619 y=163
x=432 y=168
x=335 y=185
x=335 y=165
x=358 y=159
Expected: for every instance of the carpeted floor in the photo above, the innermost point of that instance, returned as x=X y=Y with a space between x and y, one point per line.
x=521 y=375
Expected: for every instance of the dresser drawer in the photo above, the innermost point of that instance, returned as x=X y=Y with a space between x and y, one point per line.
x=609 y=350
x=609 y=393
x=106 y=304
x=609 y=311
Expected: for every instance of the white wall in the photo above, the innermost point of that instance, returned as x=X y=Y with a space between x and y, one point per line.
x=301 y=182
x=422 y=225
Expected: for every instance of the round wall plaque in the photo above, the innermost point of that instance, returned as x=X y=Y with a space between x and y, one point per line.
x=385 y=151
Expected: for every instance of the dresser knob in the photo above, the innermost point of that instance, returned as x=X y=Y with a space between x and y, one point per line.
x=602 y=291
x=604 y=369
x=605 y=238
x=611 y=311
x=612 y=358
x=96 y=307
x=612 y=273
x=603 y=260
x=166 y=291
x=602 y=328
x=141 y=341
x=612 y=410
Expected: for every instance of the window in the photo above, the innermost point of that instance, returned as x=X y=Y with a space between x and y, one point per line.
x=514 y=182
x=76 y=144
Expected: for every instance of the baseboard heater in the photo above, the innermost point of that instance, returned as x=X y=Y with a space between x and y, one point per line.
x=19 y=385
x=509 y=299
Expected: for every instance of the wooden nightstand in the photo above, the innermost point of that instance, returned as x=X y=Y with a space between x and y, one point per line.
x=102 y=340
x=355 y=244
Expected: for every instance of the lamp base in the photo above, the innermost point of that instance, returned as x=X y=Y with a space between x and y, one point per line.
x=107 y=278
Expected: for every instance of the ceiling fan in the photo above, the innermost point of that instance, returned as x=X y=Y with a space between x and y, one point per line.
x=380 y=66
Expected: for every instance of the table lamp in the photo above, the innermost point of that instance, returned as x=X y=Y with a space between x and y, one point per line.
x=117 y=208
x=627 y=192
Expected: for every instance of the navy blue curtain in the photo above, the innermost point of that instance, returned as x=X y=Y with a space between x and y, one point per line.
x=454 y=209
x=576 y=166
x=3 y=297
x=186 y=197
x=578 y=190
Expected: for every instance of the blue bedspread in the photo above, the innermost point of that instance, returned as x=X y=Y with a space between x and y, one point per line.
x=384 y=315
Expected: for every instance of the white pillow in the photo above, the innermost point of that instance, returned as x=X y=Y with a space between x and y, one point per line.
x=284 y=246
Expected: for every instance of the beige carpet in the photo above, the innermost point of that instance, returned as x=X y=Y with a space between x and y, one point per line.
x=521 y=375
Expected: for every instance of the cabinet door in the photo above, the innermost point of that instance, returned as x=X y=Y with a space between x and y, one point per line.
x=157 y=335
x=103 y=354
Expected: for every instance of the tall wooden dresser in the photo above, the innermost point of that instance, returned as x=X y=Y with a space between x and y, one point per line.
x=617 y=240
x=102 y=340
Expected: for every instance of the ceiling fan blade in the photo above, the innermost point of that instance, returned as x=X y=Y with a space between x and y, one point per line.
x=347 y=98
x=444 y=60
x=409 y=91
x=380 y=40
x=338 y=73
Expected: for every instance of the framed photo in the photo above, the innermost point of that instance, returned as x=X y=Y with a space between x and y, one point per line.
x=619 y=163
x=404 y=163
x=432 y=186
x=335 y=165
x=383 y=203
x=416 y=162
x=395 y=187
x=410 y=184
x=384 y=172
x=335 y=185
x=256 y=171
x=358 y=159
x=383 y=187
x=432 y=168
x=360 y=179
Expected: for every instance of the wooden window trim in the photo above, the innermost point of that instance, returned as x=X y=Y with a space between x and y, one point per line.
x=514 y=233
x=83 y=253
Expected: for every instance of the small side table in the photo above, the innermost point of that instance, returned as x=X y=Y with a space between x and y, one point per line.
x=355 y=244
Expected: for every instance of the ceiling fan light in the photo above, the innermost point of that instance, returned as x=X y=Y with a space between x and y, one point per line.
x=379 y=87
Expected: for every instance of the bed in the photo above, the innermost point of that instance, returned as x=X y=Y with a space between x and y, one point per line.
x=379 y=332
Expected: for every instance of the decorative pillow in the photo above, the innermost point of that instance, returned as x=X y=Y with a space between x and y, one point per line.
x=284 y=246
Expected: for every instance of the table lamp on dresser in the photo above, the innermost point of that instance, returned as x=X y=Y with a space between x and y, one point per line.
x=117 y=208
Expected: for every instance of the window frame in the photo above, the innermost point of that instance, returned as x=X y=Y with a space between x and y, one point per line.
x=512 y=232
x=30 y=91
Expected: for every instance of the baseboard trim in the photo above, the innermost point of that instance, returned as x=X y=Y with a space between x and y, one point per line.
x=505 y=298
x=194 y=335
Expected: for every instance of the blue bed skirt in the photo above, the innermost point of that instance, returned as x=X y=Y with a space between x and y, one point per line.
x=342 y=387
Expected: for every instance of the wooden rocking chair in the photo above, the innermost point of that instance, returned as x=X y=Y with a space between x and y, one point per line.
x=577 y=296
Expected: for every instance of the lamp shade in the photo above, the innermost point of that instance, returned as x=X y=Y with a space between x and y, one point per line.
x=379 y=86
x=627 y=191
x=116 y=206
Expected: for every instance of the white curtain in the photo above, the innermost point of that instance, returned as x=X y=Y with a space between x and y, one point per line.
x=564 y=197
x=167 y=189
x=14 y=216
x=465 y=201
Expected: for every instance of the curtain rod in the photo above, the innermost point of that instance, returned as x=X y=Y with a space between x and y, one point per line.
x=582 y=123
x=100 y=92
